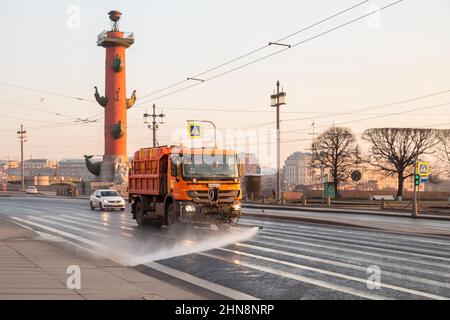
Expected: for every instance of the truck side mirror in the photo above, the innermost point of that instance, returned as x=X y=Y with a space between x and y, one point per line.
x=240 y=170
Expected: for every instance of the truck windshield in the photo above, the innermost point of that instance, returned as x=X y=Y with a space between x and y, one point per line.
x=209 y=167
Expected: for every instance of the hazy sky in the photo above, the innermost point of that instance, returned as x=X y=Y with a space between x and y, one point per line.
x=403 y=54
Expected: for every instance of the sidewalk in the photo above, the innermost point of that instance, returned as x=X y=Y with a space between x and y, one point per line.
x=394 y=222
x=33 y=268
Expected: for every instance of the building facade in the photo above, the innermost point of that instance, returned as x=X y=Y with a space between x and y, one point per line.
x=297 y=170
x=74 y=168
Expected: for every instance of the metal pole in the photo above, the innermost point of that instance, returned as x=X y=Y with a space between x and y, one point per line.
x=322 y=184
x=414 y=205
x=154 y=125
x=278 y=144
x=21 y=136
x=215 y=133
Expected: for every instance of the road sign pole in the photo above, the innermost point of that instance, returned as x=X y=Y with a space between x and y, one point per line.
x=414 y=212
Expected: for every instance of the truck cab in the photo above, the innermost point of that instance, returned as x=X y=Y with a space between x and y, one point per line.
x=173 y=184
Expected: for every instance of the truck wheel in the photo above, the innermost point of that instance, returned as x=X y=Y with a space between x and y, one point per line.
x=171 y=214
x=139 y=212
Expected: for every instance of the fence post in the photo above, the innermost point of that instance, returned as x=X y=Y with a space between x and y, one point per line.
x=304 y=201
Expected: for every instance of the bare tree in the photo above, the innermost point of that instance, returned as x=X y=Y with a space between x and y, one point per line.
x=336 y=150
x=395 y=151
x=444 y=148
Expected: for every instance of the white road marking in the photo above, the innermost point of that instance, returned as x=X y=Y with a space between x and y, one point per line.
x=363 y=252
x=62 y=233
x=61 y=218
x=82 y=224
x=356 y=258
x=224 y=291
x=369 y=247
x=390 y=245
x=300 y=278
x=365 y=234
x=335 y=274
x=66 y=226
x=345 y=265
x=96 y=222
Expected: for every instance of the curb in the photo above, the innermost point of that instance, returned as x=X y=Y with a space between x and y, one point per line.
x=348 y=211
x=212 y=295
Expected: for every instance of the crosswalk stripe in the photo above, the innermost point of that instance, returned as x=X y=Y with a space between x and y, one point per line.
x=335 y=274
x=101 y=248
x=344 y=265
x=367 y=247
x=371 y=242
x=376 y=260
x=366 y=234
x=362 y=252
x=297 y=277
x=62 y=233
x=49 y=220
x=59 y=218
x=64 y=225
x=96 y=222
x=125 y=221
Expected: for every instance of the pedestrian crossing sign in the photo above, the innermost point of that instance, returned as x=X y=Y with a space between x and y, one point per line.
x=195 y=130
x=423 y=168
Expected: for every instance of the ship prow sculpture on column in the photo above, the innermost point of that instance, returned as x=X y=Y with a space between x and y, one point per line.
x=113 y=170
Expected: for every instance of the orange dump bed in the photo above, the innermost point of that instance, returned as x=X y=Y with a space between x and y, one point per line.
x=146 y=171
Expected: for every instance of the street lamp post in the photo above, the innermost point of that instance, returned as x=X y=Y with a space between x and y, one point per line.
x=154 y=125
x=278 y=99
x=22 y=136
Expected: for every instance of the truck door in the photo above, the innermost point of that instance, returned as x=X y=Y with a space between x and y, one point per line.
x=164 y=165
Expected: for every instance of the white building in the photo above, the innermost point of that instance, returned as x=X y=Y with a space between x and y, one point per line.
x=296 y=170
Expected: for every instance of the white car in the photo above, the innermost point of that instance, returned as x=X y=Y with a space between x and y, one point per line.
x=32 y=189
x=107 y=199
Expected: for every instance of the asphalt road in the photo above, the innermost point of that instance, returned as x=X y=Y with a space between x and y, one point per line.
x=284 y=260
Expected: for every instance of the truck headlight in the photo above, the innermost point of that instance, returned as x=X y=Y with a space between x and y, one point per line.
x=236 y=207
x=189 y=208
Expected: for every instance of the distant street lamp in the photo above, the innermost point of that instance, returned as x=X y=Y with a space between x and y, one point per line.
x=22 y=136
x=154 y=125
x=276 y=100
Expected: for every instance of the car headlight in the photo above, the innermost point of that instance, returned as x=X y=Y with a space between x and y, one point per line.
x=105 y=201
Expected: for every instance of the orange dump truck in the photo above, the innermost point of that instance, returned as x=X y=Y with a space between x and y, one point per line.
x=171 y=184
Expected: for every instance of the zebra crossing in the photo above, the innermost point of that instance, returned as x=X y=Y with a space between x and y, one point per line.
x=284 y=260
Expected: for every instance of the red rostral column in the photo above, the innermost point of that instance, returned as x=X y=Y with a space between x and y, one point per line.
x=115 y=101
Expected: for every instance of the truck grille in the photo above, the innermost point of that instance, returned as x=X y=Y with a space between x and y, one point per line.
x=225 y=196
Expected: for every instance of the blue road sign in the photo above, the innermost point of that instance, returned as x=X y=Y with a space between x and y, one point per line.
x=195 y=130
x=424 y=179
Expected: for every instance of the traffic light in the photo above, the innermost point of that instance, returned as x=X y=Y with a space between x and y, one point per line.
x=416 y=180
